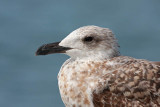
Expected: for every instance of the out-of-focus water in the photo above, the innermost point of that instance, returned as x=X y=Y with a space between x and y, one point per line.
x=30 y=81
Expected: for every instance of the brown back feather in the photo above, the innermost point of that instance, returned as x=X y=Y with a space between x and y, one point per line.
x=144 y=91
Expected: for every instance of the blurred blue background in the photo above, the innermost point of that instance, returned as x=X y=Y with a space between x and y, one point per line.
x=27 y=80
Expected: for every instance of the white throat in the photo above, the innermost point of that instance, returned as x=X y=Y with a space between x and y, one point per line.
x=92 y=55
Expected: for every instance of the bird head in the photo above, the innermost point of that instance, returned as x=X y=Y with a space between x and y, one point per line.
x=88 y=42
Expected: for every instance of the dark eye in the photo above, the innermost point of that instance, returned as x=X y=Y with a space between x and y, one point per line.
x=88 y=39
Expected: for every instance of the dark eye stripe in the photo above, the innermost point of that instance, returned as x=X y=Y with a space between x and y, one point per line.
x=88 y=39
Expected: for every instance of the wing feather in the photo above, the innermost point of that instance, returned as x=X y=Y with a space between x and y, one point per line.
x=131 y=82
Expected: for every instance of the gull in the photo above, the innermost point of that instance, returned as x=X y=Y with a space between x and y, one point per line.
x=96 y=75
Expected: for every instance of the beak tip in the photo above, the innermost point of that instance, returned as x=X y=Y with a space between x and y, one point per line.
x=39 y=51
x=36 y=54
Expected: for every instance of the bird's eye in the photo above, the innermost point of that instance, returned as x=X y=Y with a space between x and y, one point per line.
x=88 y=39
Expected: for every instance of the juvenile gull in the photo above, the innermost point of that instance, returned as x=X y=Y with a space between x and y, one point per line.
x=97 y=76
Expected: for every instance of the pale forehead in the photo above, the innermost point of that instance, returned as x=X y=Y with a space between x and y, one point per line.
x=89 y=30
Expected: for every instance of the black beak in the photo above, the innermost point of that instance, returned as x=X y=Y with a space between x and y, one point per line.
x=51 y=48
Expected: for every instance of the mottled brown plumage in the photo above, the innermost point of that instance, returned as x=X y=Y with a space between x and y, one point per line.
x=137 y=84
x=117 y=82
